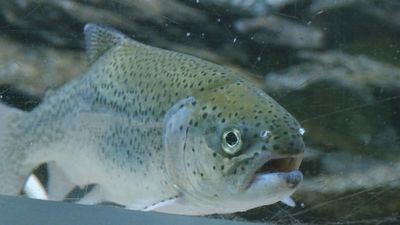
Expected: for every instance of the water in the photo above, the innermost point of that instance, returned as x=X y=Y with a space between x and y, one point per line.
x=333 y=64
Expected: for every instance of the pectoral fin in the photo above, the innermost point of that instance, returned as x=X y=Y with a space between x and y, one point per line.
x=288 y=201
x=165 y=203
x=34 y=189
x=58 y=184
x=95 y=196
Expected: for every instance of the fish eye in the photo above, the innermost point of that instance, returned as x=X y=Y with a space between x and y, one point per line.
x=231 y=141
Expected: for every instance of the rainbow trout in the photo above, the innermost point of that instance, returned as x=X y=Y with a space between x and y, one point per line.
x=153 y=129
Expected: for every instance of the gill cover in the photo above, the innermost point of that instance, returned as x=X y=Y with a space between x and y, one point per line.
x=176 y=128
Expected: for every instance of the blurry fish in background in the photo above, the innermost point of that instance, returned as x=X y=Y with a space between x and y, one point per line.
x=153 y=129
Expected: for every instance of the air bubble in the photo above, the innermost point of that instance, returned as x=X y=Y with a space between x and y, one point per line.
x=302 y=131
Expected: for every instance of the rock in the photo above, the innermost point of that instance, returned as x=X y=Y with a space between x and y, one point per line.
x=33 y=69
x=60 y=22
x=279 y=31
x=345 y=172
x=358 y=72
x=385 y=11
x=252 y=7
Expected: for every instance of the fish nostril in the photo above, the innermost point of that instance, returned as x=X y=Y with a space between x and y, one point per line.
x=265 y=134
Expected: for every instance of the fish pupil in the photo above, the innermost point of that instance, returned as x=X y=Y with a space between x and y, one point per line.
x=231 y=139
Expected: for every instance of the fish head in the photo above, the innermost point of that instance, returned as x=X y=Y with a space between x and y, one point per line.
x=232 y=149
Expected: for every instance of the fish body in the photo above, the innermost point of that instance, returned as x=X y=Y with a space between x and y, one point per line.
x=153 y=129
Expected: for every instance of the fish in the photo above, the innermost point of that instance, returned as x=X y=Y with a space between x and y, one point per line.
x=154 y=130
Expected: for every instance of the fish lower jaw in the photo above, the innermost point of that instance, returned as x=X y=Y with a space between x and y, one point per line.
x=285 y=168
x=292 y=179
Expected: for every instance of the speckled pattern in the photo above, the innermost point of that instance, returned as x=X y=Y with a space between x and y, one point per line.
x=145 y=125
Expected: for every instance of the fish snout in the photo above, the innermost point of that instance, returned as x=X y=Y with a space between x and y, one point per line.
x=285 y=154
x=288 y=143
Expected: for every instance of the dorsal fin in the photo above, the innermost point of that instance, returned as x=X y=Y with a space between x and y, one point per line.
x=99 y=39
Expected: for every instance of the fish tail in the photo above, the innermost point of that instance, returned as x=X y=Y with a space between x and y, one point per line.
x=12 y=174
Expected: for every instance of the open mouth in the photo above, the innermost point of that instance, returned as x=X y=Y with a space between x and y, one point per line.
x=286 y=164
x=278 y=164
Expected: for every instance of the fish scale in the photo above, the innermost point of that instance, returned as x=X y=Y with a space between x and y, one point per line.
x=153 y=129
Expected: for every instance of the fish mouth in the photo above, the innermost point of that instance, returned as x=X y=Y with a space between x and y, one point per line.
x=284 y=164
x=288 y=165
